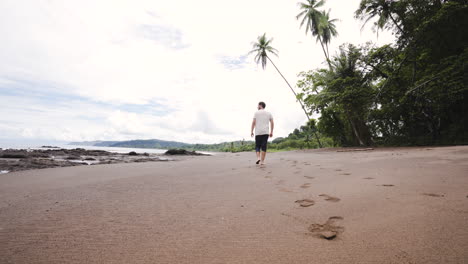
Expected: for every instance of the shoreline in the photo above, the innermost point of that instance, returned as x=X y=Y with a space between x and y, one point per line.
x=53 y=156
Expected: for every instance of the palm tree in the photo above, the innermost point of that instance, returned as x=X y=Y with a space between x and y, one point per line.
x=310 y=15
x=262 y=48
x=312 y=19
x=327 y=29
x=383 y=9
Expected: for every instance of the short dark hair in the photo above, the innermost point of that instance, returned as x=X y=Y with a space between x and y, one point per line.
x=262 y=104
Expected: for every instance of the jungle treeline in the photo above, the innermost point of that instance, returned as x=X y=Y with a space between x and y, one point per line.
x=411 y=92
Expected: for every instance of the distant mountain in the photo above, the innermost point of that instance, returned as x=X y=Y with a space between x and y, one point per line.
x=163 y=144
x=138 y=143
x=149 y=143
x=94 y=143
x=105 y=143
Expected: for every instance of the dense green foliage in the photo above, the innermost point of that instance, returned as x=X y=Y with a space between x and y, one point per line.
x=300 y=138
x=413 y=92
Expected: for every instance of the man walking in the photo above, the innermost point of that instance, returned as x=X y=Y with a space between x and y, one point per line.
x=261 y=121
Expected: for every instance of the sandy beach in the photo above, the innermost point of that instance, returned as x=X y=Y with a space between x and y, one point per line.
x=390 y=205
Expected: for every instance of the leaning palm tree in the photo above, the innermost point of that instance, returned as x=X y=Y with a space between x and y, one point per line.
x=311 y=17
x=262 y=48
x=327 y=29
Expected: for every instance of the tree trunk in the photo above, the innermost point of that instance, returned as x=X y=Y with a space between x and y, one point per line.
x=356 y=133
x=295 y=95
x=364 y=132
x=325 y=52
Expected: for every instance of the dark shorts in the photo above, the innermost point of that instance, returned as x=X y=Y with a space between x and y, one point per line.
x=261 y=142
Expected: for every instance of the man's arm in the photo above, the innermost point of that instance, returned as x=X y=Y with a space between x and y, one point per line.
x=272 y=123
x=252 y=128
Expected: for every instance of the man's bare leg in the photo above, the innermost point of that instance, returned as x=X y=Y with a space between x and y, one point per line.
x=263 y=157
x=258 y=157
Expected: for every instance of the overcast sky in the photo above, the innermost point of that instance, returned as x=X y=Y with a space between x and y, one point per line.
x=172 y=70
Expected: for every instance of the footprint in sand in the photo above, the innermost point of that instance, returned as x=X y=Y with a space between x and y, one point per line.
x=387 y=185
x=309 y=177
x=368 y=178
x=268 y=177
x=433 y=194
x=305 y=202
x=285 y=190
x=280 y=182
x=297 y=172
x=330 y=198
x=329 y=230
x=305 y=185
x=346 y=173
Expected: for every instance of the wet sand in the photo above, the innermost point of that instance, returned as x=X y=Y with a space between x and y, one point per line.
x=400 y=205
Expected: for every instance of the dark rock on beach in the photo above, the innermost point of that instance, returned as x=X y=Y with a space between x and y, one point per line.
x=146 y=160
x=13 y=155
x=73 y=158
x=26 y=159
x=183 y=152
x=33 y=163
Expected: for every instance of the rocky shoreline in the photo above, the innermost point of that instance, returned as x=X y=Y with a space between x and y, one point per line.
x=27 y=159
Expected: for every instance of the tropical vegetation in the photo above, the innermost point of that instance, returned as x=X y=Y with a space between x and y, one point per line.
x=411 y=92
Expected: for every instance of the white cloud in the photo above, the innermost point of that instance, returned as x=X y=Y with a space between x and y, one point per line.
x=186 y=55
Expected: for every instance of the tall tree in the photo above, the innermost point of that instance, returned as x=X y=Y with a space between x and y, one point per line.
x=341 y=95
x=261 y=49
x=322 y=28
x=327 y=29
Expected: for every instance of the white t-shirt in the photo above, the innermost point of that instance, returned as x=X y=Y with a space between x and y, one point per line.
x=262 y=122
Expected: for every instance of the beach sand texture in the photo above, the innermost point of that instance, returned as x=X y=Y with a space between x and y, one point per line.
x=390 y=205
